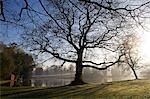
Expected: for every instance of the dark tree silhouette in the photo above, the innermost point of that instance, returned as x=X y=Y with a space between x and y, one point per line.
x=74 y=30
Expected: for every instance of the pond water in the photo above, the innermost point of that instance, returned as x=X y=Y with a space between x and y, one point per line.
x=51 y=80
x=63 y=79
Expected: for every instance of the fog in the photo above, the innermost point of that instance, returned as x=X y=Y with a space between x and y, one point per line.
x=53 y=77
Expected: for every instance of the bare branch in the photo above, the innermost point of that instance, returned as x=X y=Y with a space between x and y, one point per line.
x=103 y=63
x=24 y=8
x=115 y=9
x=50 y=15
x=105 y=7
x=56 y=55
x=2 y=11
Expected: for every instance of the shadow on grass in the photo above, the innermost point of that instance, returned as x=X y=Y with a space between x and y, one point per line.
x=44 y=92
x=63 y=91
x=118 y=90
x=19 y=92
x=86 y=93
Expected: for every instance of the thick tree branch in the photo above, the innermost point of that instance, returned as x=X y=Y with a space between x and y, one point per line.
x=23 y=8
x=2 y=11
x=56 y=55
x=104 y=63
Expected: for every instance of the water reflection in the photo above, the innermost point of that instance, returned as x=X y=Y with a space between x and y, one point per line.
x=50 y=82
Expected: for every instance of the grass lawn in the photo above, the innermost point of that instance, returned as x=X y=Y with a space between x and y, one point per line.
x=134 y=89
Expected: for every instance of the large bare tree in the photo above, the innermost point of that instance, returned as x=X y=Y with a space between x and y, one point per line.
x=77 y=31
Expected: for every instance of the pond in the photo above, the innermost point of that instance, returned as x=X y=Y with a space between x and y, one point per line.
x=51 y=80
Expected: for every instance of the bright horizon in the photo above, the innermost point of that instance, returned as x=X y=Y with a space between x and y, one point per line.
x=144 y=47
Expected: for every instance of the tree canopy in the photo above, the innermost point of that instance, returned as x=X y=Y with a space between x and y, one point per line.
x=86 y=33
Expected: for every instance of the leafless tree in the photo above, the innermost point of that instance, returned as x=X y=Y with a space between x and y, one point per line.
x=130 y=50
x=76 y=30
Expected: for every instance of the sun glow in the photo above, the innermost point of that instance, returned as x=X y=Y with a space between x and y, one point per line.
x=145 y=47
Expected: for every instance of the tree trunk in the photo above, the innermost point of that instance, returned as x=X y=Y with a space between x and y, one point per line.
x=78 y=76
x=136 y=77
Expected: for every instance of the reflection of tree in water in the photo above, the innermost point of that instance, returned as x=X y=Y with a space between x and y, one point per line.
x=38 y=83
x=52 y=76
x=50 y=82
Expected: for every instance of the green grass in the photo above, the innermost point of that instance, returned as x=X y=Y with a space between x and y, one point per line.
x=134 y=89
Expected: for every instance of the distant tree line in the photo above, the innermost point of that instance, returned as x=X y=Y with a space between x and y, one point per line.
x=54 y=69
